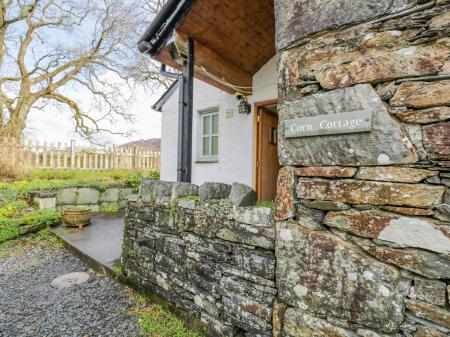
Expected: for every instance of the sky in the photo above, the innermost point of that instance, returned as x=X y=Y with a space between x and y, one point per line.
x=53 y=125
x=56 y=126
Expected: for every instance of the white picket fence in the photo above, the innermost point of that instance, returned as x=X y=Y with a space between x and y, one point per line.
x=70 y=156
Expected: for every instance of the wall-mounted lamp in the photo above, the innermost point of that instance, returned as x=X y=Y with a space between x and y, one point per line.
x=244 y=107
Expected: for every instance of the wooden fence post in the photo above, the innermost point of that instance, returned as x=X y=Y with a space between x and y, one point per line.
x=72 y=154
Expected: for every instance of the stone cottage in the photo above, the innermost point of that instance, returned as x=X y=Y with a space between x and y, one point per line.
x=359 y=241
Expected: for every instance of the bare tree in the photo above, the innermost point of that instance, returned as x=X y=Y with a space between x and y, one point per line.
x=51 y=48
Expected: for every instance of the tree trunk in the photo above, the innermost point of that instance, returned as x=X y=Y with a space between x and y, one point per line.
x=17 y=121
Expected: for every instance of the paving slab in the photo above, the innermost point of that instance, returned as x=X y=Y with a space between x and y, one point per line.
x=99 y=243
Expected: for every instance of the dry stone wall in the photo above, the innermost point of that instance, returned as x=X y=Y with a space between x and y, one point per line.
x=362 y=233
x=206 y=251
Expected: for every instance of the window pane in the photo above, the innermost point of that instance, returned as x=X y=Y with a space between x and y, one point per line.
x=206 y=146
x=215 y=124
x=214 y=146
x=206 y=125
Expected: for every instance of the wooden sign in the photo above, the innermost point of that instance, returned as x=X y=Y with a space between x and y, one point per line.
x=345 y=122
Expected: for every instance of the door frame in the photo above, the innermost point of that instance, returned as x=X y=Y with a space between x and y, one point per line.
x=256 y=145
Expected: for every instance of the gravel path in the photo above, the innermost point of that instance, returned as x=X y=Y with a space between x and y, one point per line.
x=30 y=306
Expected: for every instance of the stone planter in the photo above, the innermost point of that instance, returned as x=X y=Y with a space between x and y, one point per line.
x=77 y=217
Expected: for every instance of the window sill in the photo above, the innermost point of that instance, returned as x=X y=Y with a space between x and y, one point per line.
x=206 y=161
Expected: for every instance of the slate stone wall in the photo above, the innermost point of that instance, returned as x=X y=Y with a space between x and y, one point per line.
x=363 y=235
x=206 y=251
x=92 y=197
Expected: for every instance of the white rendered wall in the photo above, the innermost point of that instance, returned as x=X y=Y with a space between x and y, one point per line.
x=235 y=134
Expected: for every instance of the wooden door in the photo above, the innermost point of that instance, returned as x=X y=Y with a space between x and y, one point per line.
x=267 y=163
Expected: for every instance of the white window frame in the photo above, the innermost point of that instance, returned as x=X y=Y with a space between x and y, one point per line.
x=201 y=157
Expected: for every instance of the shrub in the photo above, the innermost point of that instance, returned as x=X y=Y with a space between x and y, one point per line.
x=12 y=228
x=134 y=180
x=153 y=174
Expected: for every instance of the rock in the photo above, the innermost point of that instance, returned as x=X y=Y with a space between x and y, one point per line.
x=235 y=285
x=436 y=140
x=251 y=306
x=242 y=195
x=181 y=189
x=327 y=205
x=328 y=276
x=279 y=310
x=429 y=312
x=259 y=216
x=370 y=192
x=186 y=203
x=430 y=291
x=310 y=89
x=163 y=189
x=369 y=333
x=415 y=260
x=296 y=20
x=421 y=95
x=408 y=231
x=309 y=217
x=249 y=235
x=246 y=320
x=284 y=202
x=408 y=210
x=415 y=135
x=386 y=90
x=428 y=332
x=109 y=195
x=395 y=174
x=440 y=21
x=442 y=212
x=147 y=187
x=66 y=196
x=328 y=172
x=211 y=191
x=385 y=144
x=298 y=323
x=124 y=193
x=425 y=116
x=385 y=66
x=258 y=263
x=88 y=196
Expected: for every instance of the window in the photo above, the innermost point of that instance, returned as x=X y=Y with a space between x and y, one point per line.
x=208 y=135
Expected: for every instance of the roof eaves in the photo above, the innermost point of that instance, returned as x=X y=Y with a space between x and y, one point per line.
x=165 y=97
x=161 y=28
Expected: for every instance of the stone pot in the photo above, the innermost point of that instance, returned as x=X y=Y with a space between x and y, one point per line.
x=77 y=217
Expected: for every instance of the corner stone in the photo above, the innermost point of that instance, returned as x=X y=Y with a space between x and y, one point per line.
x=421 y=95
x=417 y=261
x=395 y=174
x=369 y=192
x=351 y=286
x=417 y=232
x=387 y=142
x=285 y=197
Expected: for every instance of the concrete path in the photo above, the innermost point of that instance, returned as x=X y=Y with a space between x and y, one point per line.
x=100 y=242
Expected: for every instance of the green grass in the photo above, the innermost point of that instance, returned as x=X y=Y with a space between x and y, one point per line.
x=192 y=197
x=109 y=209
x=266 y=203
x=23 y=223
x=156 y=322
x=25 y=244
x=18 y=216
